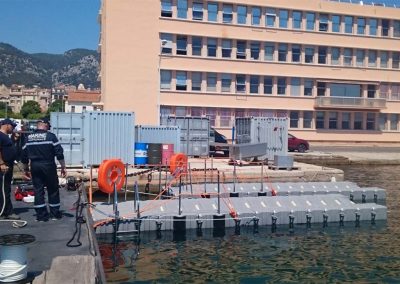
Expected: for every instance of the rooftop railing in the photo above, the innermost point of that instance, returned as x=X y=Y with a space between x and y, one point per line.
x=348 y=102
x=382 y=3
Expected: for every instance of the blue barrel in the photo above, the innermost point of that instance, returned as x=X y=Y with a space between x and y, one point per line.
x=141 y=153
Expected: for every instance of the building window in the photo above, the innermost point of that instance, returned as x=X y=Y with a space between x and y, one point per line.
x=294 y=119
x=240 y=83
x=211 y=47
x=396 y=28
x=227 y=13
x=181 y=45
x=307 y=119
x=197 y=11
x=345 y=90
x=254 y=84
x=309 y=55
x=321 y=89
x=361 y=26
x=281 y=85
x=182 y=9
x=225 y=117
x=255 y=16
x=282 y=52
x=308 y=87
x=348 y=24
x=181 y=81
x=296 y=53
x=323 y=22
x=241 y=15
x=385 y=28
x=335 y=56
x=295 y=89
x=297 y=18
x=166 y=8
x=270 y=17
x=384 y=91
x=370 y=121
x=320 y=120
x=197 y=45
x=394 y=121
x=333 y=116
x=360 y=57
x=336 y=23
x=395 y=60
x=212 y=9
x=226 y=82
x=180 y=111
x=371 y=90
x=211 y=82
x=196 y=81
x=310 y=21
x=383 y=121
x=166 y=43
x=345 y=120
x=165 y=79
x=196 y=111
x=283 y=18
x=358 y=121
x=395 y=92
x=348 y=57
x=226 y=48
x=241 y=49
x=255 y=50
x=371 y=58
x=268 y=85
x=322 y=55
x=384 y=59
x=211 y=113
x=269 y=50
x=373 y=27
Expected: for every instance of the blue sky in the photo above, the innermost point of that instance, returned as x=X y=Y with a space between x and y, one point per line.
x=50 y=26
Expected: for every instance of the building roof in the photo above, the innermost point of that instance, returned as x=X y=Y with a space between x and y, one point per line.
x=84 y=96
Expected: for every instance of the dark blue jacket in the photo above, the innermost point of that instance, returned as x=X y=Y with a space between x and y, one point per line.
x=42 y=146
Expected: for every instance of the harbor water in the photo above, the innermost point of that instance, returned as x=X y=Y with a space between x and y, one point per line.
x=368 y=253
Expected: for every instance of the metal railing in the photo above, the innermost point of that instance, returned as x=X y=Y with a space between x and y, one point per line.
x=382 y=3
x=348 y=102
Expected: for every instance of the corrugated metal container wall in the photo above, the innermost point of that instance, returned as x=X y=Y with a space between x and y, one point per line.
x=195 y=133
x=68 y=128
x=108 y=135
x=270 y=130
x=158 y=134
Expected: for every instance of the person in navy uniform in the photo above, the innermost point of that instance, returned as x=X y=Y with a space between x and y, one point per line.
x=7 y=157
x=40 y=150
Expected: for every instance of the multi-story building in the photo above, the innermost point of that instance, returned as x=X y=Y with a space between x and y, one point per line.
x=333 y=68
x=82 y=100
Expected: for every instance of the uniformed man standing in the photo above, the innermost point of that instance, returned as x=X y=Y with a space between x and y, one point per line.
x=7 y=157
x=40 y=149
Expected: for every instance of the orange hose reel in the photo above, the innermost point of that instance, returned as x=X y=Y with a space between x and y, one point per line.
x=111 y=172
x=178 y=161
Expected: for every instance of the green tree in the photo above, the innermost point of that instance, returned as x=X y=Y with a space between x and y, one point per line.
x=3 y=107
x=56 y=106
x=30 y=107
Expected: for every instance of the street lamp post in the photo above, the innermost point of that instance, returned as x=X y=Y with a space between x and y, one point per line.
x=162 y=44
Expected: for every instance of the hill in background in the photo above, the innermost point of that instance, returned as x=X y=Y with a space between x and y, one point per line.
x=73 y=67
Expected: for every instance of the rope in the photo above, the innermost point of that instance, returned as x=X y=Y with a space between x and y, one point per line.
x=79 y=220
x=13 y=265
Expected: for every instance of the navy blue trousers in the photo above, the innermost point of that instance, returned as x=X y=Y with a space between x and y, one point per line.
x=44 y=174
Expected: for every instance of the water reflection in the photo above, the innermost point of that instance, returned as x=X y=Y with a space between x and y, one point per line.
x=369 y=253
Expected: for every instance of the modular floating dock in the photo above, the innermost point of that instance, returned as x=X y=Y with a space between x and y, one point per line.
x=233 y=205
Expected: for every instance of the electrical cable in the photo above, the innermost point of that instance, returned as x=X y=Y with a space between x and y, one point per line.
x=79 y=220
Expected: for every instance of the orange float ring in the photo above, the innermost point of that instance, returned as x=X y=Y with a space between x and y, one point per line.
x=178 y=161
x=111 y=172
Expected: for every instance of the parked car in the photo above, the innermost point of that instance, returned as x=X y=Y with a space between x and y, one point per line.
x=298 y=144
x=216 y=137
